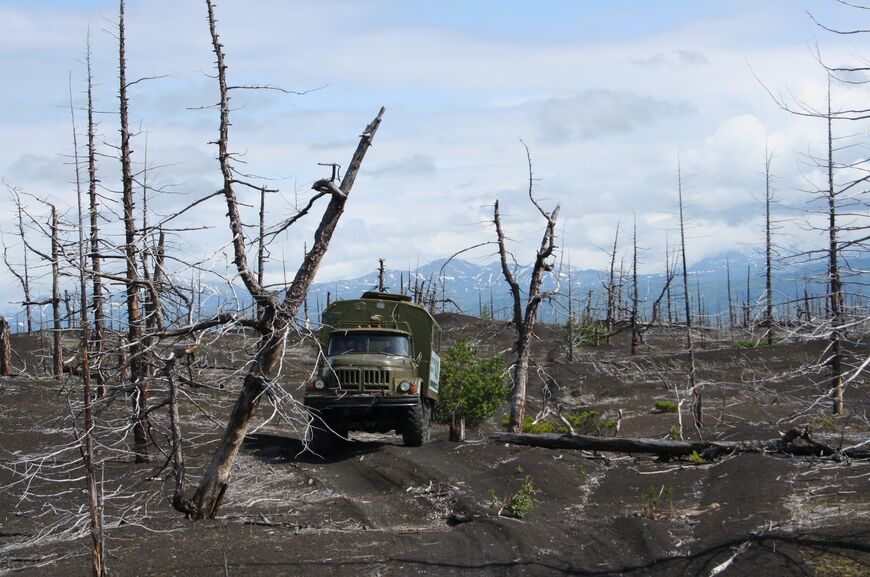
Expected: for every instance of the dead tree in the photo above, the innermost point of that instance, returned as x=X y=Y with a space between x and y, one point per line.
x=98 y=339
x=690 y=348
x=635 y=333
x=835 y=286
x=768 y=276
x=98 y=561
x=5 y=349
x=732 y=319
x=135 y=324
x=57 y=333
x=570 y=324
x=381 y=275
x=792 y=442
x=524 y=321
x=23 y=277
x=278 y=315
x=53 y=259
x=611 y=288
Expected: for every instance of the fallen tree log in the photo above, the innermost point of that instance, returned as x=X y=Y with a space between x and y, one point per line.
x=793 y=442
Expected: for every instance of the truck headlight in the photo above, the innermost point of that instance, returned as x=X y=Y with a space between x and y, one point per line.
x=406 y=386
x=319 y=385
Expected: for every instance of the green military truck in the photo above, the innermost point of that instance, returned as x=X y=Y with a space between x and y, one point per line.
x=378 y=370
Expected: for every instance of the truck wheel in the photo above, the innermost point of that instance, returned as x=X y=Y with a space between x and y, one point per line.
x=416 y=429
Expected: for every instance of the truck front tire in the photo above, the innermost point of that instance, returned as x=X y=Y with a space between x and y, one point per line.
x=416 y=429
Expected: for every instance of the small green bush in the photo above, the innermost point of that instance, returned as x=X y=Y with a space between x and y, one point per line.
x=530 y=426
x=697 y=459
x=666 y=407
x=583 y=422
x=589 y=422
x=471 y=386
x=654 y=500
x=520 y=503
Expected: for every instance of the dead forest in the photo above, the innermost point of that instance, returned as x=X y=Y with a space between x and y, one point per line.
x=151 y=415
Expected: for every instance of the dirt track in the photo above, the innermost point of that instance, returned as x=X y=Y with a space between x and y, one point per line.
x=379 y=508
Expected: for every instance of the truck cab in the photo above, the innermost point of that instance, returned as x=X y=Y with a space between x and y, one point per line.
x=378 y=370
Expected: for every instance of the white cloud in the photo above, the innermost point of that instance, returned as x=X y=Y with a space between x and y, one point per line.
x=605 y=103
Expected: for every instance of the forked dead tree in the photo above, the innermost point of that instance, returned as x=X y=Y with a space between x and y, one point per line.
x=524 y=320
x=278 y=316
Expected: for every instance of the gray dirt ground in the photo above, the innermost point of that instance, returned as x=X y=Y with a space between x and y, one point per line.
x=379 y=508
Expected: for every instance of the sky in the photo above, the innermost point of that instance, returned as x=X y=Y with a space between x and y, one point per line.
x=606 y=95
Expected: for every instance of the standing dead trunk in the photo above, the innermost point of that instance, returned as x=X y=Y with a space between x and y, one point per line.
x=834 y=284
x=768 y=276
x=5 y=349
x=98 y=561
x=611 y=289
x=25 y=277
x=57 y=336
x=570 y=325
x=524 y=322
x=635 y=332
x=690 y=349
x=98 y=341
x=135 y=331
x=178 y=470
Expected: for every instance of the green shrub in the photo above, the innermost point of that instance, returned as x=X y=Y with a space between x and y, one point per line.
x=583 y=422
x=591 y=333
x=589 y=422
x=518 y=505
x=471 y=386
x=654 y=500
x=697 y=459
x=666 y=407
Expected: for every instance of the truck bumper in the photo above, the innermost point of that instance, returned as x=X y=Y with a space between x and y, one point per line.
x=360 y=402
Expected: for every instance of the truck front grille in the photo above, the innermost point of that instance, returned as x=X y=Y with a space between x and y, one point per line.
x=363 y=379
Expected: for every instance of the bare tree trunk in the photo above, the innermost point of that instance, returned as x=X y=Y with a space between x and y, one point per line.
x=696 y=393
x=570 y=326
x=768 y=311
x=668 y=288
x=25 y=279
x=261 y=248
x=5 y=349
x=635 y=333
x=178 y=469
x=57 y=336
x=836 y=290
x=135 y=332
x=68 y=309
x=98 y=342
x=611 y=289
x=98 y=564
x=381 y=276
x=731 y=317
x=747 y=307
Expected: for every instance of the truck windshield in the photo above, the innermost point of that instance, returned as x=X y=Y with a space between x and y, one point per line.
x=342 y=344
